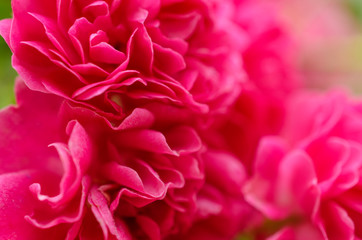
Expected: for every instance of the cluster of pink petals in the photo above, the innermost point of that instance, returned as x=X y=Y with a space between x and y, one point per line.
x=259 y=109
x=170 y=119
x=309 y=178
x=104 y=142
x=109 y=53
x=73 y=175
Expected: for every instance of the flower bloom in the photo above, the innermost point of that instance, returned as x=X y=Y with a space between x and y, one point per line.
x=84 y=178
x=115 y=94
x=309 y=178
x=259 y=108
x=108 y=53
x=221 y=210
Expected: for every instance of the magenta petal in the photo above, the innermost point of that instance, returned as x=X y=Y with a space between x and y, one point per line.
x=139 y=177
x=140 y=50
x=123 y=78
x=106 y=53
x=56 y=38
x=5 y=26
x=102 y=51
x=168 y=60
x=90 y=69
x=58 y=60
x=96 y=89
x=190 y=167
x=180 y=26
x=134 y=198
x=69 y=169
x=53 y=73
x=150 y=6
x=90 y=227
x=224 y=171
x=64 y=12
x=33 y=30
x=75 y=161
x=104 y=216
x=45 y=8
x=47 y=217
x=337 y=223
x=259 y=190
x=150 y=227
x=270 y=152
x=298 y=182
x=80 y=146
x=79 y=34
x=291 y=186
x=176 y=44
x=351 y=200
x=158 y=89
x=329 y=156
x=147 y=140
x=139 y=118
x=350 y=174
x=97 y=8
x=16 y=130
x=183 y=140
x=16 y=201
x=209 y=202
x=124 y=176
x=98 y=37
x=321 y=115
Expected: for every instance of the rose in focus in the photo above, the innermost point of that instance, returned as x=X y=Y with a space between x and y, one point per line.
x=110 y=55
x=170 y=119
x=85 y=179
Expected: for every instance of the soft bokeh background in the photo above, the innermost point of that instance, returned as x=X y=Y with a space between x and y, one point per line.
x=329 y=38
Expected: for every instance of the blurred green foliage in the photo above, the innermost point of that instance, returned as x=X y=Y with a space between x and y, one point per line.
x=355 y=8
x=7 y=73
x=245 y=236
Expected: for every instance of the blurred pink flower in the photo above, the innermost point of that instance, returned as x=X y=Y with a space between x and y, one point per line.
x=269 y=59
x=309 y=178
x=253 y=115
x=222 y=211
x=259 y=108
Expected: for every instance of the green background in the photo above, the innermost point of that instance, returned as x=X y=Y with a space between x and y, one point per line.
x=7 y=74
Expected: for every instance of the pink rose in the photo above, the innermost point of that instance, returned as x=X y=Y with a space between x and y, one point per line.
x=112 y=55
x=252 y=116
x=221 y=209
x=66 y=173
x=269 y=67
x=309 y=178
x=136 y=125
x=269 y=59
